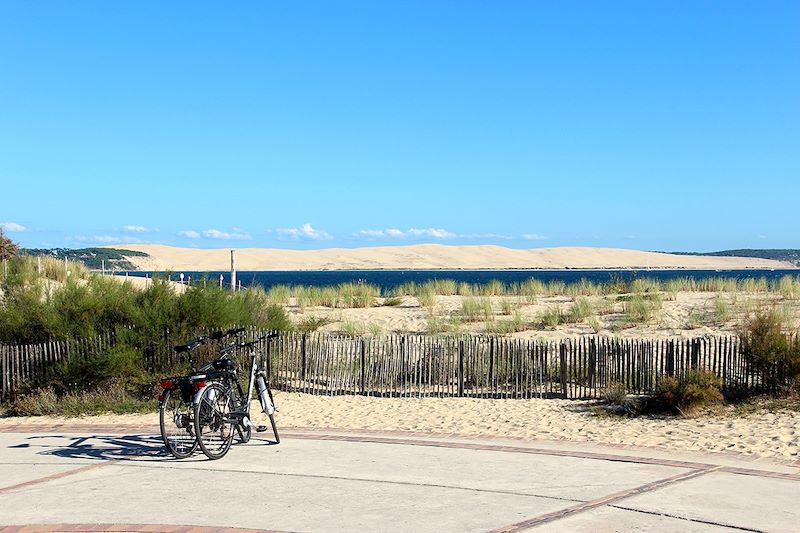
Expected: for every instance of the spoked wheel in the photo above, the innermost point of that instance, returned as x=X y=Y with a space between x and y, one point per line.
x=177 y=425
x=213 y=423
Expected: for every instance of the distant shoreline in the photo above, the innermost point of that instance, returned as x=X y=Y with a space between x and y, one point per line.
x=432 y=257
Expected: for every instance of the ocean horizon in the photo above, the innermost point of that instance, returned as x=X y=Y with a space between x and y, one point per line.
x=388 y=279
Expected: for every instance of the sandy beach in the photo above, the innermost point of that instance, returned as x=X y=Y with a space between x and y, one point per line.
x=760 y=434
x=683 y=314
x=427 y=256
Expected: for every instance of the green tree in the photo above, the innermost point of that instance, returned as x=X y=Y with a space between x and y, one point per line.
x=8 y=248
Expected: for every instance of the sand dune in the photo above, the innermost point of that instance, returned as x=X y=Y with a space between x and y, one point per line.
x=427 y=256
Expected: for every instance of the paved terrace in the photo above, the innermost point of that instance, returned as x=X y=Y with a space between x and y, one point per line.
x=82 y=477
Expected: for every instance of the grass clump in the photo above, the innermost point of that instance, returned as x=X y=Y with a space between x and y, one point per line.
x=313 y=323
x=700 y=389
x=476 y=309
x=581 y=310
x=641 y=308
x=515 y=324
x=392 y=301
x=353 y=329
x=508 y=306
x=279 y=294
x=114 y=400
x=552 y=317
x=614 y=393
x=721 y=308
x=426 y=296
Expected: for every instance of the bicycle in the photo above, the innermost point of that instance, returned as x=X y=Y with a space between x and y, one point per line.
x=178 y=399
x=224 y=407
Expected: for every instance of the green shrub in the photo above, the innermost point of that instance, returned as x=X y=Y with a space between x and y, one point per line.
x=392 y=301
x=614 y=393
x=767 y=346
x=115 y=399
x=700 y=389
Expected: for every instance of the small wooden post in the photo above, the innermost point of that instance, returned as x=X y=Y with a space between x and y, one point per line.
x=460 y=369
x=491 y=361
x=363 y=366
x=39 y=264
x=303 y=357
x=221 y=279
x=233 y=270
x=103 y=267
x=563 y=369
x=671 y=358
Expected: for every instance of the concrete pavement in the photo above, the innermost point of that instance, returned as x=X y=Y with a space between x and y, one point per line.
x=330 y=481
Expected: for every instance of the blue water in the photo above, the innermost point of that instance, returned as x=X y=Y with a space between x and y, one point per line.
x=387 y=279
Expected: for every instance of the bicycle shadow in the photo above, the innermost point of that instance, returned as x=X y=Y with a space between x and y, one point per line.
x=148 y=448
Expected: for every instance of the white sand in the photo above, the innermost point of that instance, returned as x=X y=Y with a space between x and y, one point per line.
x=762 y=434
x=684 y=314
x=427 y=256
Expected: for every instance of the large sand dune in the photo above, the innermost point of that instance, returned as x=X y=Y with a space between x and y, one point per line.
x=427 y=256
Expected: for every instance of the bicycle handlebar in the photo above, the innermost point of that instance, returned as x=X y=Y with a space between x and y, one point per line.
x=217 y=335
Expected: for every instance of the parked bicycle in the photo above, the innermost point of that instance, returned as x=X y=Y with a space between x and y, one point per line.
x=223 y=406
x=178 y=399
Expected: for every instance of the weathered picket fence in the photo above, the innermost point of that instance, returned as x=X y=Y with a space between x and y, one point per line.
x=475 y=366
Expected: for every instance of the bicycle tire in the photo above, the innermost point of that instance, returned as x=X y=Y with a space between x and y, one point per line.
x=173 y=411
x=212 y=422
x=272 y=416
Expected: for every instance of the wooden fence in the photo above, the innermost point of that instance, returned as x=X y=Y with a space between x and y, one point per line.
x=481 y=367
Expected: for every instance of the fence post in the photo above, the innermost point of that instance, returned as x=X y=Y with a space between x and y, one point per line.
x=671 y=358
x=303 y=357
x=563 y=369
x=363 y=366
x=461 y=369
x=695 y=354
x=491 y=361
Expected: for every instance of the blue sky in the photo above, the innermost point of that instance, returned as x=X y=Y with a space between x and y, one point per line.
x=650 y=125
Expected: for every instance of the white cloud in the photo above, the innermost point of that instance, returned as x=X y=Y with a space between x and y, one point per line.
x=189 y=234
x=436 y=233
x=107 y=239
x=12 y=226
x=217 y=234
x=306 y=231
x=133 y=228
x=533 y=237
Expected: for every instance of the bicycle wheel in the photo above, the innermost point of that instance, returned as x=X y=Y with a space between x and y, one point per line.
x=271 y=413
x=213 y=423
x=177 y=427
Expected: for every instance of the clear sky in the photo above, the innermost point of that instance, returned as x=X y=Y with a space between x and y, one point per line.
x=650 y=125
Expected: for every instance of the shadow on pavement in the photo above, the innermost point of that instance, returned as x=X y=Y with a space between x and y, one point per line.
x=111 y=447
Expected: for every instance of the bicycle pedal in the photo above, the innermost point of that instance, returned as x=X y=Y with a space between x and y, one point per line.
x=261 y=429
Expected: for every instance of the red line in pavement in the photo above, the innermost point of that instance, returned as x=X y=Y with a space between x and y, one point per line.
x=158 y=528
x=52 y=477
x=599 y=502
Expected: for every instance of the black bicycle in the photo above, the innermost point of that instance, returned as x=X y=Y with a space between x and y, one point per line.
x=223 y=406
x=178 y=399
